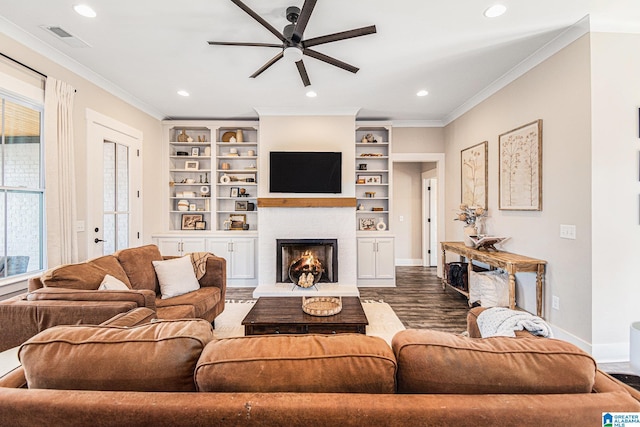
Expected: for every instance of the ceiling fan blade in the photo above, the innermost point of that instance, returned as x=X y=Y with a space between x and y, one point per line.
x=340 y=36
x=258 y=18
x=303 y=20
x=303 y=73
x=245 y=44
x=267 y=65
x=330 y=60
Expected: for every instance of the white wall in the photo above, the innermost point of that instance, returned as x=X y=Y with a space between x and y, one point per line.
x=616 y=192
x=558 y=92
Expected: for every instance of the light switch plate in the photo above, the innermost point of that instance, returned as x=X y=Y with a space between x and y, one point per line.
x=567 y=231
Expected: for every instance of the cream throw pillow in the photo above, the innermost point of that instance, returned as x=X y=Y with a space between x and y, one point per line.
x=176 y=276
x=491 y=288
x=110 y=283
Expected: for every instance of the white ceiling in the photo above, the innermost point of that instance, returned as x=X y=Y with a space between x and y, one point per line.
x=145 y=51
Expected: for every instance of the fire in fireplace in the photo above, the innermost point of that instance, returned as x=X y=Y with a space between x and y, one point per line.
x=306 y=262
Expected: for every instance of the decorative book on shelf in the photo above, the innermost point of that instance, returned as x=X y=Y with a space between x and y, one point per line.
x=486 y=242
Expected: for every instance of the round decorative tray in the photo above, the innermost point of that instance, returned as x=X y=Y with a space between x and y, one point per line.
x=321 y=306
x=226 y=137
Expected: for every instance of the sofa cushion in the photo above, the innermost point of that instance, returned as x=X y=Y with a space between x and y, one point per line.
x=138 y=264
x=176 y=312
x=348 y=363
x=176 y=276
x=202 y=300
x=112 y=266
x=157 y=356
x=84 y=276
x=440 y=362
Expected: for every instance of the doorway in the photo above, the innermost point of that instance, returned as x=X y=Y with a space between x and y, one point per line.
x=114 y=169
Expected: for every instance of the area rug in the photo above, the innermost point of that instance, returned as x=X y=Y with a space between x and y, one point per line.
x=383 y=322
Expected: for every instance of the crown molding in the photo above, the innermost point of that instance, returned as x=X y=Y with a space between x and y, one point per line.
x=570 y=35
x=49 y=52
x=302 y=111
x=418 y=123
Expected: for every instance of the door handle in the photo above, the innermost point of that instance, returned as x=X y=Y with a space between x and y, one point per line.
x=96 y=240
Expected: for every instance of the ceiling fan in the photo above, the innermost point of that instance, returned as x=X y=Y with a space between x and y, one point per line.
x=293 y=44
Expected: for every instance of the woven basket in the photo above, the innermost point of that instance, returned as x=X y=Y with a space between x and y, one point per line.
x=322 y=306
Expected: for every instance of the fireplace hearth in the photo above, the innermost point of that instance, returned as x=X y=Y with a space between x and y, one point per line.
x=305 y=262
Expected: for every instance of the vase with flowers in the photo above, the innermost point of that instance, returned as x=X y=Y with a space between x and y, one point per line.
x=472 y=218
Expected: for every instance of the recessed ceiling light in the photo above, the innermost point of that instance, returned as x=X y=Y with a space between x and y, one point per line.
x=422 y=92
x=85 y=10
x=311 y=94
x=495 y=11
x=183 y=93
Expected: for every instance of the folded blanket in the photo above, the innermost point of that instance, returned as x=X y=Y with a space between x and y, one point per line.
x=502 y=322
x=199 y=261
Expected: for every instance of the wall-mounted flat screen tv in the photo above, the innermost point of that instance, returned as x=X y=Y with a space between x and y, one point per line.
x=305 y=172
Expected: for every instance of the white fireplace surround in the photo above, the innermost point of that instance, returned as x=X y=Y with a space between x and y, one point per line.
x=307 y=223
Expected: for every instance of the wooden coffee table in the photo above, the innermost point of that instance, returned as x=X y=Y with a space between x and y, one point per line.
x=284 y=315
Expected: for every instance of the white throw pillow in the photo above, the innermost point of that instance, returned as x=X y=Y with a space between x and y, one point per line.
x=176 y=276
x=491 y=288
x=110 y=283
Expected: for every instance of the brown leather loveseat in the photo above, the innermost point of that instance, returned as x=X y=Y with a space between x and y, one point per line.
x=69 y=294
x=131 y=372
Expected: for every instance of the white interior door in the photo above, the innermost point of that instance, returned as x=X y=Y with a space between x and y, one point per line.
x=114 y=169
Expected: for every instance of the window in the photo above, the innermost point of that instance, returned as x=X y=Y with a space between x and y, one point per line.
x=21 y=187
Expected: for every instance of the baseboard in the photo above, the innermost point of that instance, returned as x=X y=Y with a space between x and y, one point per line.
x=563 y=335
x=403 y=262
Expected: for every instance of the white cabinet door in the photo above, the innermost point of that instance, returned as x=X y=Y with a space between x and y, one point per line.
x=177 y=246
x=240 y=254
x=243 y=265
x=169 y=246
x=366 y=258
x=193 y=245
x=220 y=248
x=385 y=259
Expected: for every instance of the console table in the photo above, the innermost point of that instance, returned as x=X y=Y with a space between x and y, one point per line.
x=511 y=263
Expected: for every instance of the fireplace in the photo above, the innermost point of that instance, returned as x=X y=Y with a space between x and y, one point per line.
x=306 y=261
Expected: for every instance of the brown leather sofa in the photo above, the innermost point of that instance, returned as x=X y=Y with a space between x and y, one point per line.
x=175 y=373
x=68 y=294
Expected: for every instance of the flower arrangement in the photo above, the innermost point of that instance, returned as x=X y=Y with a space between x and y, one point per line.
x=470 y=215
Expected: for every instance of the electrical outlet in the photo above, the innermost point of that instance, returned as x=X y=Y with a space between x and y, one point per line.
x=401 y=218
x=568 y=231
x=555 y=302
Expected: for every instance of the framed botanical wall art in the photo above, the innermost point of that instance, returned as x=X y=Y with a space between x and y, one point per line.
x=473 y=175
x=520 y=168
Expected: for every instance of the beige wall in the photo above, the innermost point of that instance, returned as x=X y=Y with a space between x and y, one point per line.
x=90 y=96
x=616 y=189
x=418 y=140
x=558 y=92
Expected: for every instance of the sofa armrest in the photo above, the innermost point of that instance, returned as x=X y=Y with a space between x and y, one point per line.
x=142 y=297
x=216 y=274
x=14 y=379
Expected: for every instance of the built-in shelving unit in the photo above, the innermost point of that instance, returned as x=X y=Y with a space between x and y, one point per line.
x=373 y=189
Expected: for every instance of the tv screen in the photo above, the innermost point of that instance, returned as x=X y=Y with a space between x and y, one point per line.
x=305 y=172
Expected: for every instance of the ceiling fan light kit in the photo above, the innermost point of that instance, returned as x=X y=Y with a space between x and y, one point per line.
x=293 y=45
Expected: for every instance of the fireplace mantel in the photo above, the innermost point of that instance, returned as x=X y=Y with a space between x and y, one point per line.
x=307 y=202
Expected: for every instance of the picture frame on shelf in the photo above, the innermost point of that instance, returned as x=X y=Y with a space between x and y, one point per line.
x=242 y=205
x=367 y=224
x=189 y=221
x=234 y=191
x=192 y=165
x=237 y=221
x=474 y=175
x=201 y=225
x=370 y=179
x=195 y=151
x=520 y=168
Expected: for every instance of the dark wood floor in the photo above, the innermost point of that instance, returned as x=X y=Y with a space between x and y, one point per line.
x=418 y=299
